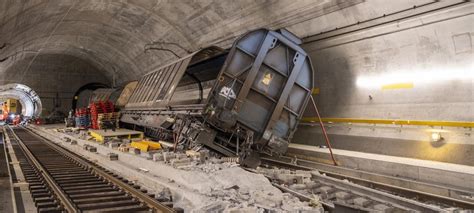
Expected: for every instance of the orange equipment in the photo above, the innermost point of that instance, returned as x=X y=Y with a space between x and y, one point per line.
x=4 y=115
x=16 y=120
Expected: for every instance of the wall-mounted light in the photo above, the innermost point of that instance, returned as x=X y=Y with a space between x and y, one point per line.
x=408 y=78
x=436 y=136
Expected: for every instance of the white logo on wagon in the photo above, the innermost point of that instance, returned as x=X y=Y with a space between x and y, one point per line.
x=227 y=92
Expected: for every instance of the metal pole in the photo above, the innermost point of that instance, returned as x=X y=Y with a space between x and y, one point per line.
x=324 y=130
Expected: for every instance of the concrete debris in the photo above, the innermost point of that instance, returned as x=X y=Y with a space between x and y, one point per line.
x=92 y=149
x=143 y=170
x=342 y=195
x=382 y=208
x=149 y=155
x=287 y=177
x=165 y=195
x=192 y=153
x=230 y=159
x=214 y=207
x=114 y=145
x=158 y=157
x=199 y=181
x=360 y=201
x=243 y=190
x=180 y=162
x=167 y=156
x=112 y=156
x=134 y=151
x=124 y=148
x=315 y=202
x=89 y=148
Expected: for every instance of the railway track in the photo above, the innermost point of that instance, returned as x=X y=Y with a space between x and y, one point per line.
x=340 y=193
x=60 y=181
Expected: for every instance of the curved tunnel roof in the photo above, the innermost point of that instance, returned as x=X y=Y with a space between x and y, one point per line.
x=113 y=35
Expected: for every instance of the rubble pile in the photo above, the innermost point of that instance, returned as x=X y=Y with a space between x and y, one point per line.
x=232 y=188
x=207 y=183
x=227 y=186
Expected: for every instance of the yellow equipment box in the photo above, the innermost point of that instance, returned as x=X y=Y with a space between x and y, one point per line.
x=101 y=135
x=146 y=146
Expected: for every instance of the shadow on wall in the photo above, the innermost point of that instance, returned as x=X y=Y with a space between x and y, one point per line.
x=334 y=79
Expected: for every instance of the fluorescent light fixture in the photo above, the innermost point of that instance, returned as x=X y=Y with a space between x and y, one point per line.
x=415 y=77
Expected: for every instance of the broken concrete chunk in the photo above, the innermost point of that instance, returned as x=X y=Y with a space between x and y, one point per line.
x=180 y=162
x=112 y=156
x=164 y=196
x=298 y=186
x=158 y=157
x=342 y=195
x=167 y=156
x=114 y=145
x=92 y=149
x=382 y=208
x=214 y=207
x=360 y=201
x=134 y=151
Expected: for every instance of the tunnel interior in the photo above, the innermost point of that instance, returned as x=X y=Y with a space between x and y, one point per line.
x=54 y=77
x=393 y=93
x=20 y=99
x=363 y=72
x=10 y=108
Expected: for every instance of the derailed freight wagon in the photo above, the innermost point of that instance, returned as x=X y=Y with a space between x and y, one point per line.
x=240 y=101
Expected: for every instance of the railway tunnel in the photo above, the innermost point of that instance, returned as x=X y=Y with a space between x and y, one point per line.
x=245 y=106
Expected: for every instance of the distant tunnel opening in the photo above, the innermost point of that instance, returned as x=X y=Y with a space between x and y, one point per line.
x=82 y=95
x=21 y=99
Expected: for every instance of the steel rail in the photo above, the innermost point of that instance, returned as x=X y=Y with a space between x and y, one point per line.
x=11 y=171
x=61 y=195
x=152 y=203
x=345 y=174
x=334 y=177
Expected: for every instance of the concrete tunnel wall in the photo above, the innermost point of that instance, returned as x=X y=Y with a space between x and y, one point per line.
x=415 y=69
x=54 y=77
x=63 y=44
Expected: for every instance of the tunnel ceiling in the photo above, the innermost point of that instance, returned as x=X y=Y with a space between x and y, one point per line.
x=111 y=34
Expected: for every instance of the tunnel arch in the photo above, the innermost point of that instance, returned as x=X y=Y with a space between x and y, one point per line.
x=29 y=99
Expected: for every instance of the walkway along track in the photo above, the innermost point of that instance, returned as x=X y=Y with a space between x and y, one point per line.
x=62 y=181
x=353 y=194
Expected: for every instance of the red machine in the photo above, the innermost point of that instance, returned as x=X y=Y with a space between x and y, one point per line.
x=16 y=120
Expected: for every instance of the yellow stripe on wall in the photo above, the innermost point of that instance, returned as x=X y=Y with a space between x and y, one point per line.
x=315 y=91
x=390 y=121
x=398 y=86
